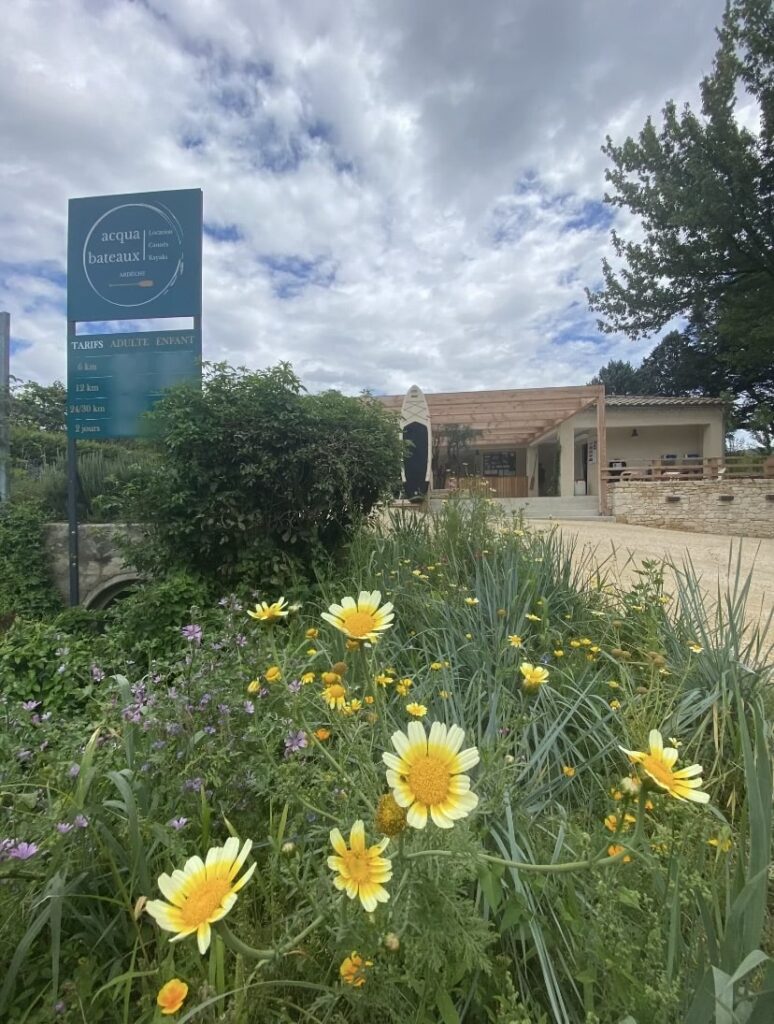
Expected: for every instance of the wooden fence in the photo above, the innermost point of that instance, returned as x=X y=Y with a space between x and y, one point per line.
x=732 y=467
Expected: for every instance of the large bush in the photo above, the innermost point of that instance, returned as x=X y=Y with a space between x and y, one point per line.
x=258 y=477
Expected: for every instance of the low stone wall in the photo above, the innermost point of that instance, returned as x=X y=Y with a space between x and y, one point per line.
x=102 y=566
x=741 y=507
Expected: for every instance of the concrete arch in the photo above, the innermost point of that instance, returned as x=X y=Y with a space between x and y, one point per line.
x=106 y=592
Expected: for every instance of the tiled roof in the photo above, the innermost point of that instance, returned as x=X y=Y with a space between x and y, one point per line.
x=660 y=400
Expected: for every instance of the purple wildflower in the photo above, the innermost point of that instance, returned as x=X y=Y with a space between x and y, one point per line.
x=249 y=707
x=74 y=771
x=60 y=1006
x=192 y=633
x=210 y=730
x=224 y=709
x=178 y=823
x=97 y=674
x=295 y=741
x=81 y=821
x=30 y=705
x=240 y=640
x=193 y=785
x=22 y=851
x=63 y=827
x=158 y=744
x=24 y=755
x=263 y=692
x=295 y=686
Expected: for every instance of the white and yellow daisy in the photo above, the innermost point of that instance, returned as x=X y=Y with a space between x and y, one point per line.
x=265 y=612
x=202 y=893
x=362 y=619
x=426 y=774
x=658 y=762
x=361 y=870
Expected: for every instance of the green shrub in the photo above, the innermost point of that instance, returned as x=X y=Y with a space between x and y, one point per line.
x=259 y=480
x=26 y=586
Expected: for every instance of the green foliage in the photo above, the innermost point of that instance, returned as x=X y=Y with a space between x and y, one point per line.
x=106 y=471
x=40 y=407
x=39 y=661
x=701 y=186
x=259 y=480
x=25 y=581
x=147 y=622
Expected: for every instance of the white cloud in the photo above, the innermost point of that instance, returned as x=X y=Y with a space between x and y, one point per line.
x=436 y=166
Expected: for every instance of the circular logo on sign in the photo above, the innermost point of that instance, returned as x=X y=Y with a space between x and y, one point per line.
x=133 y=254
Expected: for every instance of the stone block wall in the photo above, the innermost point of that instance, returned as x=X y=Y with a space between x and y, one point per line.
x=101 y=563
x=742 y=508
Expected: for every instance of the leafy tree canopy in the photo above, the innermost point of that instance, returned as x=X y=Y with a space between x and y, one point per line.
x=257 y=477
x=702 y=185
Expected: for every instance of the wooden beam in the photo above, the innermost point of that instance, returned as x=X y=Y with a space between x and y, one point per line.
x=601 y=450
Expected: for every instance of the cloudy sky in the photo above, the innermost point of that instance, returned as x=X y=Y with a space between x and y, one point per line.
x=395 y=191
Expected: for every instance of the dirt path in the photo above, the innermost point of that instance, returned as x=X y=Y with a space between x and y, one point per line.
x=622 y=548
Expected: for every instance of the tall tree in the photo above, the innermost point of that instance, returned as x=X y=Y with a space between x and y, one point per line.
x=619 y=378
x=703 y=188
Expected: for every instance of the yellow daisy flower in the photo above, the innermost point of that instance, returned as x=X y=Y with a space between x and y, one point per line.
x=361 y=871
x=534 y=676
x=352 y=969
x=322 y=734
x=202 y=893
x=559 y=653
x=312 y=634
x=382 y=679
x=403 y=686
x=436 y=666
x=171 y=996
x=254 y=686
x=658 y=762
x=308 y=677
x=362 y=619
x=273 y=674
x=568 y=770
x=417 y=710
x=695 y=648
x=532 y=618
x=426 y=774
x=265 y=612
x=335 y=696
x=515 y=640
x=471 y=600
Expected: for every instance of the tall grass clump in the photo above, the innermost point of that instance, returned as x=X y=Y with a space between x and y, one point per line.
x=556 y=878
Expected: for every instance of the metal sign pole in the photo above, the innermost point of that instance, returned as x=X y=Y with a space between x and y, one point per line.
x=72 y=505
x=5 y=406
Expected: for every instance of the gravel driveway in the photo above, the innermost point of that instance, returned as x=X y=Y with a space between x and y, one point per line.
x=622 y=548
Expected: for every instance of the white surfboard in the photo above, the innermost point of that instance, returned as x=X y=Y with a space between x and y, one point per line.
x=417 y=471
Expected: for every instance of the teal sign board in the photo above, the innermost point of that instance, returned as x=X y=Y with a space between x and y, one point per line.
x=135 y=257
x=112 y=379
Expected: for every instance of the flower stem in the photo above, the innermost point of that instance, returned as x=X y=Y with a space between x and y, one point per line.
x=264 y=955
x=600 y=859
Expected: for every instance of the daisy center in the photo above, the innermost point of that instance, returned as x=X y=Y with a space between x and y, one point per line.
x=335 y=691
x=359 y=623
x=428 y=780
x=357 y=866
x=205 y=899
x=658 y=771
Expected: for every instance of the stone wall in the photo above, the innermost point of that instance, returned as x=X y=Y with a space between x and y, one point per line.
x=101 y=564
x=743 y=508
